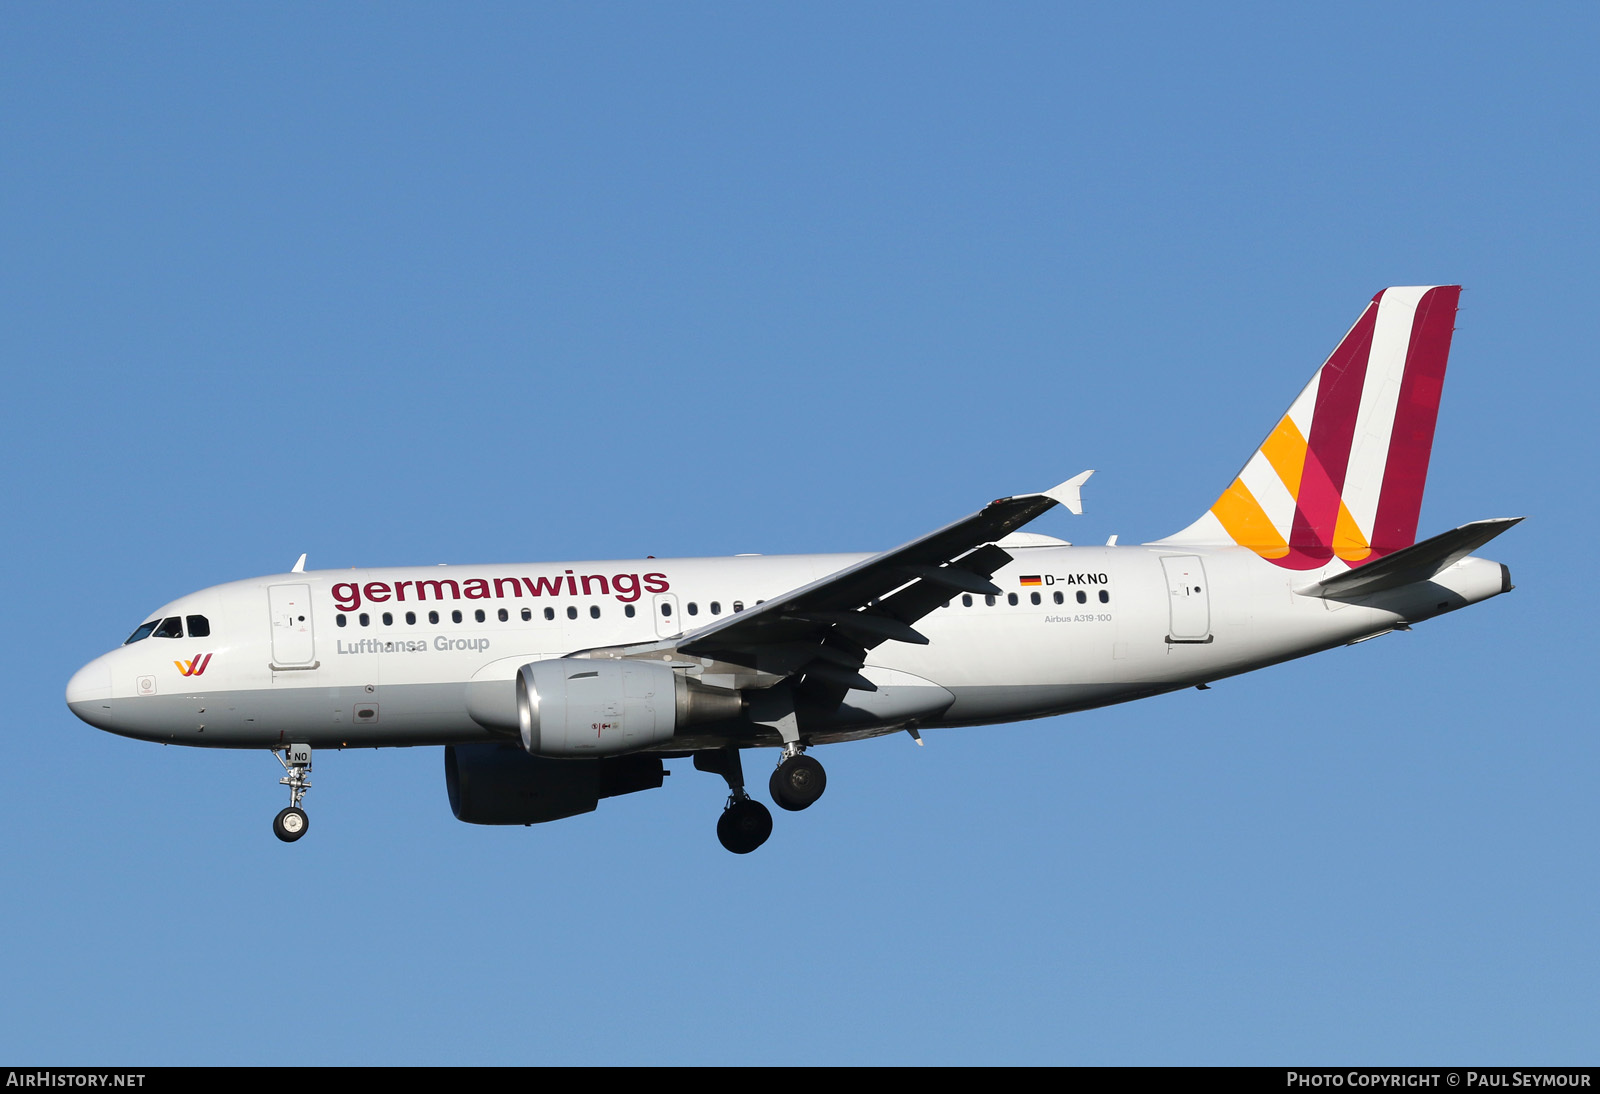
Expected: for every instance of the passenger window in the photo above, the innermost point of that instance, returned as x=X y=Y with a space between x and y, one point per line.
x=572 y=613
x=364 y=619
x=1033 y=597
x=716 y=608
x=694 y=609
x=199 y=626
x=628 y=610
x=433 y=617
x=1011 y=598
x=527 y=614
x=455 y=616
x=338 y=619
x=1105 y=597
x=1058 y=597
x=966 y=600
x=478 y=616
x=738 y=605
x=504 y=615
x=170 y=628
x=411 y=619
x=594 y=611
x=989 y=600
x=388 y=619
x=1083 y=597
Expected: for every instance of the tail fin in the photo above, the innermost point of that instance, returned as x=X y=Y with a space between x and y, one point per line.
x=1342 y=473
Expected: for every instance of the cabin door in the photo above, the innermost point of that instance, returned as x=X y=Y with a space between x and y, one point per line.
x=1189 y=595
x=292 y=644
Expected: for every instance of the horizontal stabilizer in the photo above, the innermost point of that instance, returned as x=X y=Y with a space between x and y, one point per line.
x=1419 y=562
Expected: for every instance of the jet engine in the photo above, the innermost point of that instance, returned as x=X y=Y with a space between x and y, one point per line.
x=501 y=784
x=571 y=706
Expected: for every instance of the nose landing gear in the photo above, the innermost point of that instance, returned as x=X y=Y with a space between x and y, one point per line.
x=292 y=823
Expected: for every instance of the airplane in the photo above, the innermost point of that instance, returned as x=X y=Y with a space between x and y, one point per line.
x=554 y=686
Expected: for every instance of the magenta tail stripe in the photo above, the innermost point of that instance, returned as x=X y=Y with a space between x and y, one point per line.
x=1411 y=442
x=1316 y=487
x=1333 y=426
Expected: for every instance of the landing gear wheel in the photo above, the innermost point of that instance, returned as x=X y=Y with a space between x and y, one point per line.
x=797 y=782
x=744 y=826
x=291 y=824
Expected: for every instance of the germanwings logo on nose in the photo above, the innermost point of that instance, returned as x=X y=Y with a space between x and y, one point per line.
x=195 y=667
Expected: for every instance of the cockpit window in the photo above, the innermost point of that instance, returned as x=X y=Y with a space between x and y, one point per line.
x=199 y=626
x=143 y=631
x=170 y=628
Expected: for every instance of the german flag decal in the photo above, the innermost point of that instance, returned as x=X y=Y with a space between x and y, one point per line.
x=1031 y=579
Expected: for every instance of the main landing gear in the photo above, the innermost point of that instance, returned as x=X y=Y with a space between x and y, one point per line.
x=292 y=823
x=745 y=823
x=798 y=780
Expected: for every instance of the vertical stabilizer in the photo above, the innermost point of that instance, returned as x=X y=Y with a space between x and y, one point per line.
x=1341 y=474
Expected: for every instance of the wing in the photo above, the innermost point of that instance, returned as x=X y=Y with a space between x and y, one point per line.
x=818 y=635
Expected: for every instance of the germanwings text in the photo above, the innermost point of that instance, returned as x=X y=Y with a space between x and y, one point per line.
x=348 y=596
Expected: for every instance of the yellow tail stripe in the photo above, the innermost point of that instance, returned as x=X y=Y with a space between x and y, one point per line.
x=1285 y=450
x=1348 y=542
x=1246 y=524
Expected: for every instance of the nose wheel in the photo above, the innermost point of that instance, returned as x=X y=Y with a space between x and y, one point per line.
x=292 y=823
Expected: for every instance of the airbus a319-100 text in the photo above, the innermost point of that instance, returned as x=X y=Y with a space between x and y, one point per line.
x=553 y=686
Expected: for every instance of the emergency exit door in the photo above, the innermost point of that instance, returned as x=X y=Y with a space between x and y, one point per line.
x=667 y=621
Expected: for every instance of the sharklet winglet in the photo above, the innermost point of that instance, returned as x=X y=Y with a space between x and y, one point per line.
x=1070 y=493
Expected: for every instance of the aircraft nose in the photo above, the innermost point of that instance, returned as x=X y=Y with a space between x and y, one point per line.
x=90 y=683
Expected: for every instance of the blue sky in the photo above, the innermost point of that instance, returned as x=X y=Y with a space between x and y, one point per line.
x=414 y=283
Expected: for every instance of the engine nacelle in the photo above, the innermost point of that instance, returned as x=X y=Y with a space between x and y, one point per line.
x=570 y=706
x=501 y=784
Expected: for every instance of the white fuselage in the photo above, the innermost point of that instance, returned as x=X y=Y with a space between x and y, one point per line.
x=331 y=658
